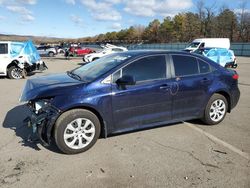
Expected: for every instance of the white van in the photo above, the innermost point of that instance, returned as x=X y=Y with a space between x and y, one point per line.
x=208 y=43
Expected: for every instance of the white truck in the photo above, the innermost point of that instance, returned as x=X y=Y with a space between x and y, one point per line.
x=19 y=58
x=208 y=43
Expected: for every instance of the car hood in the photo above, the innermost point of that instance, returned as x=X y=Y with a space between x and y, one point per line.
x=48 y=86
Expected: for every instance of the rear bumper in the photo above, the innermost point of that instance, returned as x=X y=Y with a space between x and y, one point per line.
x=235 y=96
x=42 y=122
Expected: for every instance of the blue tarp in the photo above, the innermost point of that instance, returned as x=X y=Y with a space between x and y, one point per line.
x=25 y=48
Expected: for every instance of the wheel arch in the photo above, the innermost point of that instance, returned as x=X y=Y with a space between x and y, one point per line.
x=51 y=52
x=94 y=111
x=13 y=63
x=227 y=96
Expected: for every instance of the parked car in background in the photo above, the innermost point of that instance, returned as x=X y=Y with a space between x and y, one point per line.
x=222 y=56
x=19 y=58
x=47 y=51
x=60 y=50
x=107 y=49
x=208 y=43
x=79 y=51
x=128 y=91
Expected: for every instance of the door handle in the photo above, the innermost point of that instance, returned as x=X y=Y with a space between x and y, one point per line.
x=165 y=87
x=205 y=80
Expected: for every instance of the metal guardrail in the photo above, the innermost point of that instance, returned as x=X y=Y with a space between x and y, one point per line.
x=241 y=49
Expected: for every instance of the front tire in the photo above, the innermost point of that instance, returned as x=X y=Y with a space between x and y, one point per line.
x=76 y=131
x=216 y=109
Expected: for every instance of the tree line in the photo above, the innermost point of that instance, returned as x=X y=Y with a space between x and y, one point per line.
x=184 y=27
x=207 y=21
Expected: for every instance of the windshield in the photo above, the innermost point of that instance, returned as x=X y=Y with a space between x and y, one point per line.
x=93 y=70
x=193 y=45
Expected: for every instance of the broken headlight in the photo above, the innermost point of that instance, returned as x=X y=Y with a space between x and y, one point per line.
x=39 y=105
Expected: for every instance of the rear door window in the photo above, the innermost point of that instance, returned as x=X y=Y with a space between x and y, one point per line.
x=4 y=48
x=185 y=65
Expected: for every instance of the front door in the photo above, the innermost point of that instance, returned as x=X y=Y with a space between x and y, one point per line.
x=146 y=103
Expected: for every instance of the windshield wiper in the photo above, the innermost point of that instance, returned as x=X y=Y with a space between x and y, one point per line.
x=73 y=75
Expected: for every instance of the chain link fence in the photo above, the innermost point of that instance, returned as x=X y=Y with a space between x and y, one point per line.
x=240 y=49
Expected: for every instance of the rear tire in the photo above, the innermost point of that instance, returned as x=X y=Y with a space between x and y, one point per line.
x=51 y=54
x=216 y=110
x=15 y=72
x=76 y=131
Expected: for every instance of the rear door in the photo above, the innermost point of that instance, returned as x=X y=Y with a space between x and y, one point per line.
x=4 y=57
x=193 y=77
x=149 y=101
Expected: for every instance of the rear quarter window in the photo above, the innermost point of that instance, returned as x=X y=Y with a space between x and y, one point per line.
x=204 y=67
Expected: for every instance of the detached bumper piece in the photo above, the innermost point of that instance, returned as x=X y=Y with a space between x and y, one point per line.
x=42 y=122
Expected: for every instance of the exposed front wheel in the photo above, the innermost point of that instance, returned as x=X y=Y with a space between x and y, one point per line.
x=216 y=109
x=76 y=131
x=15 y=72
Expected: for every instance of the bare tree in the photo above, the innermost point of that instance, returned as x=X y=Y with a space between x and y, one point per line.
x=244 y=23
x=200 y=5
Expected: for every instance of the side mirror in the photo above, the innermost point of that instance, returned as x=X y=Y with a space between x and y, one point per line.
x=126 y=80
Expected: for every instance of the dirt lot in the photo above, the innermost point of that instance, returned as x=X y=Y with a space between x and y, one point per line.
x=186 y=154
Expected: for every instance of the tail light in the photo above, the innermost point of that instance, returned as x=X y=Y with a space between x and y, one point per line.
x=235 y=76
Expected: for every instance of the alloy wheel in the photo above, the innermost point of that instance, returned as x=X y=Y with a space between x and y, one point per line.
x=217 y=110
x=79 y=133
x=17 y=73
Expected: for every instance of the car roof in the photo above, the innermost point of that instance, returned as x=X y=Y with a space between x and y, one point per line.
x=152 y=52
x=140 y=53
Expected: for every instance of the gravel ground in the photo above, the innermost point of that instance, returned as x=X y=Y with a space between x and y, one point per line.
x=178 y=155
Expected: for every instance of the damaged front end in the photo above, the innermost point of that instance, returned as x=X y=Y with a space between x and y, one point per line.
x=42 y=118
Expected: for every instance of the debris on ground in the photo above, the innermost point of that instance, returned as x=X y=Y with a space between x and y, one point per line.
x=103 y=171
x=218 y=151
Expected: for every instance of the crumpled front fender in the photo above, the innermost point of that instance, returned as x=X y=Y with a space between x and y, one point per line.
x=43 y=122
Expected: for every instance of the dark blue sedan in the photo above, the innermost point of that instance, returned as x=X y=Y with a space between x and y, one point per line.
x=128 y=91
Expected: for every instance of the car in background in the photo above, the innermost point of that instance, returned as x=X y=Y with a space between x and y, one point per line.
x=107 y=49
x=60 y=49
x=208 y=43
x=19 y=58
x=79 y=51
x=46 y=51
x=127 y=91
x=222 y=56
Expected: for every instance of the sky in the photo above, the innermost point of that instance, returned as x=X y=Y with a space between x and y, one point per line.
x=83 y=18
